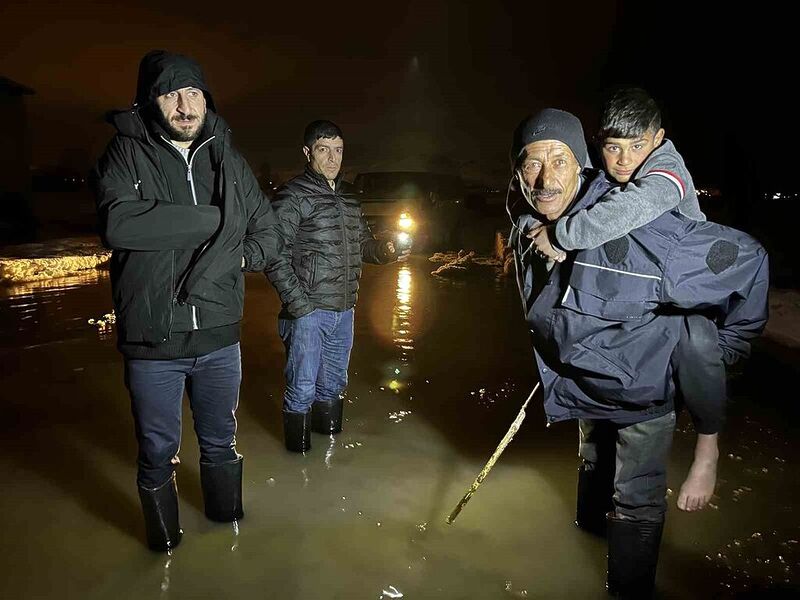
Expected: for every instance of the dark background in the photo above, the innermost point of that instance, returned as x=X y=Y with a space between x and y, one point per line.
x=428 y=85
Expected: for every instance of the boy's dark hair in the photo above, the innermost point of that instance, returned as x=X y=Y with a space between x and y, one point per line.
x=628 y=113
x=320 y=129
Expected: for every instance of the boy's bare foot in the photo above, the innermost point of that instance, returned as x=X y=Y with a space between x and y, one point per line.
x=698 y=488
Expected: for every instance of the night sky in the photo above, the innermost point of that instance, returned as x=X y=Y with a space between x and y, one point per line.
x=416 y=85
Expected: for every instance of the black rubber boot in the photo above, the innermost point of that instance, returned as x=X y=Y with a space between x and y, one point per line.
x=327 y=418
x=222 y=490
x=160 y=508
x=296 y=432
x=632 y=558
x=594 y=501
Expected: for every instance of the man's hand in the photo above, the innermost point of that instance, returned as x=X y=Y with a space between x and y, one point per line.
x=402 y=257
x=543 y=247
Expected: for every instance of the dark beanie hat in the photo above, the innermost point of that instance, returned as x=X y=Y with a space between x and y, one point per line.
x=550 y=124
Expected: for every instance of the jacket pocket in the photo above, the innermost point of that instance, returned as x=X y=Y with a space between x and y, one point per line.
x=308 y=268
x=596 y=359
x=612 y=283
x=606 y=306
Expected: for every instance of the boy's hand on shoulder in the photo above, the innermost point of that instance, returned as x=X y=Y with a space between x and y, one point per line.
x=542 y=238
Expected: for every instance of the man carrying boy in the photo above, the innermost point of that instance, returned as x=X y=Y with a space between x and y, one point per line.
x=604 y=335
x=654 y=180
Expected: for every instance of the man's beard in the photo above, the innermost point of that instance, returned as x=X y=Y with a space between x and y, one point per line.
x=179 y=134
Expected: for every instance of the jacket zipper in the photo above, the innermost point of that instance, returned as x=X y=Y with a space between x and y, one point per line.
x=346 y=253
x=190 y=179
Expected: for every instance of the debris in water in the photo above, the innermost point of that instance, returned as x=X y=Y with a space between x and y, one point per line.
x=461 y=262
x=39 y=262
x=519 y=594
x=392 y=592
x=271 y=482
x=739 y=492
x=399 y=415
x=105 y=322
x=422 y=526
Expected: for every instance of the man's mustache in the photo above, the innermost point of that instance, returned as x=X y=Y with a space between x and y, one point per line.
x=546 y=192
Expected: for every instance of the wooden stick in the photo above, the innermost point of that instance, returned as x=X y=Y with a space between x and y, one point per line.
x=493 y=459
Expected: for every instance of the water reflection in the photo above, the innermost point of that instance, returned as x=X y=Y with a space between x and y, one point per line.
x=401 y=314
x=402 y=337
x=165 y=577
x=53 y=285
x=54 y=310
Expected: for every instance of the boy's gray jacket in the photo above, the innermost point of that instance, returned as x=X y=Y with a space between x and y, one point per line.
x=606 y=321
x=661 y=183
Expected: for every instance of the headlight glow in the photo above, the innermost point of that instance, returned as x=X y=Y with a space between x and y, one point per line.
x=405 y=222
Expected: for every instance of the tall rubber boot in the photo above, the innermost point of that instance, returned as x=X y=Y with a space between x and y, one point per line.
x=327 y=418
x=222 y=490
x=160 y=508
x=632 y=558
x=296 y=432
x=594 y=499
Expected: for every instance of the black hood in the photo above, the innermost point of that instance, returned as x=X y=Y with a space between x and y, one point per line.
x=161 y=72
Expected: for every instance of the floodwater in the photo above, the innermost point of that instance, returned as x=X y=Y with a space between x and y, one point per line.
x=438 y=372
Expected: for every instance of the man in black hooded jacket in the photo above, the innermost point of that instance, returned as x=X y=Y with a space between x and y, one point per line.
x=184 y=216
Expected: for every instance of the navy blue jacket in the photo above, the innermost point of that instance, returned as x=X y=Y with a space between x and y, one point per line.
x=606 y=321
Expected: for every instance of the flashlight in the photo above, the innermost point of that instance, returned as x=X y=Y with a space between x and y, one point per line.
x=403 y=240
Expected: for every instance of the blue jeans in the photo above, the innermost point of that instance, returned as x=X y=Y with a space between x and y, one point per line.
x=635 y=456
x=156 y=388
x=317 y=355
